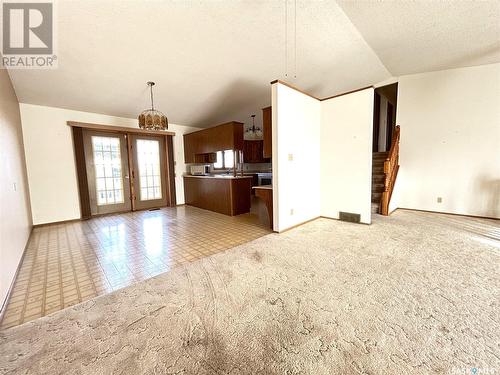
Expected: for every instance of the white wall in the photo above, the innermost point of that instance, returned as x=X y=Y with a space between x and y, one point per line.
x=15 y=214
x=296 y=131
x=51 y=164
x=450 y=141
x=346 y=154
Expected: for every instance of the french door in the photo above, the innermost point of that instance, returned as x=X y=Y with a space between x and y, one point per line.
x=149 y=180
x=108 y=177
x=125 y=172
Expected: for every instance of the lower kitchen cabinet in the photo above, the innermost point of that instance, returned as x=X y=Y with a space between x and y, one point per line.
x=226 y=195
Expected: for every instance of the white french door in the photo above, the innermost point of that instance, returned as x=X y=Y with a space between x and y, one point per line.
x=107 y=172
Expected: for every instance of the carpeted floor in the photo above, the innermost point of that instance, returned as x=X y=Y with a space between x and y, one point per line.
x=414 y=293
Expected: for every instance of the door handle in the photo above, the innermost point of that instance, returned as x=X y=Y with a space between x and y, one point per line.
x=127 y=176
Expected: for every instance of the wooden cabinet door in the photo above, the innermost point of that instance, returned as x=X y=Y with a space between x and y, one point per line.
x=252 y=152
x=267 y=130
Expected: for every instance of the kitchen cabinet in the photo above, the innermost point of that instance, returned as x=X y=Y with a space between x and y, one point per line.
x=267 y=131
x=227 y=136
x=253 y=152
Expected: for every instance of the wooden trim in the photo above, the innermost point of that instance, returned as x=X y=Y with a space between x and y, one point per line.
x=315 y=97
x=169 y=142
x=294 y=88
x=117 y=129
x=81 y=171
x=447 y=213
x=5 y=302
x=348 y=92
x=391 y=168
x=131 y=173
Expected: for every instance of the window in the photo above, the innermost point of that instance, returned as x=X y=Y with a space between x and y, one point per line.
x=108 y=170
x=225 y=159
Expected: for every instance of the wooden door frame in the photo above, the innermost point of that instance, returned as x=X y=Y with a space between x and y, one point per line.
x=81 y=170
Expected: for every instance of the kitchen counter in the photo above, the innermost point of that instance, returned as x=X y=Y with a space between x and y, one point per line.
x=224 y=194
x=218 y=176
x=267 y=187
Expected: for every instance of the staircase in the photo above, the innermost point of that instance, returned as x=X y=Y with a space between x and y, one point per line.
x=378 y=179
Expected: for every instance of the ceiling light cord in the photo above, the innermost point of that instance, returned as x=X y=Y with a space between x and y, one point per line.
x=295 y=38
x=286 y=38
x=151 y=91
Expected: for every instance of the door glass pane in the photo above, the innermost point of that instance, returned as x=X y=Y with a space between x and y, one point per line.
x=148 y=158
x=108 y=170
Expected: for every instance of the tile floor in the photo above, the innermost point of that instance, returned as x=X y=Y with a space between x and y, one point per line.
x=69 y=263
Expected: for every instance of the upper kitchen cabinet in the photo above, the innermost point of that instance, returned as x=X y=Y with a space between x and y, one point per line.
x=227 y=136
x=253 y=152
x=267 y=131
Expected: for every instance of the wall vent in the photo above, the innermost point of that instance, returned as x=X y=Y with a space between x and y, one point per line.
x=350 y=217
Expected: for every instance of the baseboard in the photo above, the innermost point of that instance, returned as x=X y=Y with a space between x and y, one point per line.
x=336 y=218
x=11 y=287
x=56 y=223
x=297 y=225
x=447 y=213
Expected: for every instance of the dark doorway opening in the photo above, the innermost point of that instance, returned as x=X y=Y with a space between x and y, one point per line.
x=384 y=116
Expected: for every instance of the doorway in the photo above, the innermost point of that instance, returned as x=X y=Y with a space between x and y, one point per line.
x=120 y=171
x=107 y=172
x=384 y=116
x=149 y=180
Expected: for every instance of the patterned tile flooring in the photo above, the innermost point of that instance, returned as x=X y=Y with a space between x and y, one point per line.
x=66 y=264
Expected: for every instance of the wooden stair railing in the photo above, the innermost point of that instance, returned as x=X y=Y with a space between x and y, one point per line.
x=391 y=167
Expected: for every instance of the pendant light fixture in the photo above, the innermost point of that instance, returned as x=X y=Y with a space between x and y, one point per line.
x=254 y=132
x=151 y=119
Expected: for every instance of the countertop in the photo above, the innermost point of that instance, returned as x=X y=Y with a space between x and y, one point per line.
x=219 y=176
x=265 y=187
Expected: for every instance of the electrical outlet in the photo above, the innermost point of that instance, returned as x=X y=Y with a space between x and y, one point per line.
x=290 y=157
x=291 y=211
x=439 y=199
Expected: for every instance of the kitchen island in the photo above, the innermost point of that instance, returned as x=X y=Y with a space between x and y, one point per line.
x=225 y=194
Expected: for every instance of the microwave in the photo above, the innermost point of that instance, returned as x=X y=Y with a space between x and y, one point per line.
x=200 y=170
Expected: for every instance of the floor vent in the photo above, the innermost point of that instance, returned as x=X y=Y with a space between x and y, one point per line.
x=350 y=217
x=154 y=209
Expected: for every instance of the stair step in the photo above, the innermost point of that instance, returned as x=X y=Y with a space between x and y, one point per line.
x=376 y=197
x=375 y=208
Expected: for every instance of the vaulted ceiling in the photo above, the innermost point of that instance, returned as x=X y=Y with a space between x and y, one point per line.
x=213 y=60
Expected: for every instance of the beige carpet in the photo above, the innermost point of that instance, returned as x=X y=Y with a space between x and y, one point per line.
x=414 y=293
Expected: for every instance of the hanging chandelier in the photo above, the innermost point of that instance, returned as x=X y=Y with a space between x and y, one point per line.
x=151 y=119
x=254 y=132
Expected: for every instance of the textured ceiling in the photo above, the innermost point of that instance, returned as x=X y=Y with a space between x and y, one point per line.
x=420 y=36
x=213 y=60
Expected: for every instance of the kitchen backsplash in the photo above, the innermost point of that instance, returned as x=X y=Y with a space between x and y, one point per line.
x=257 y=167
